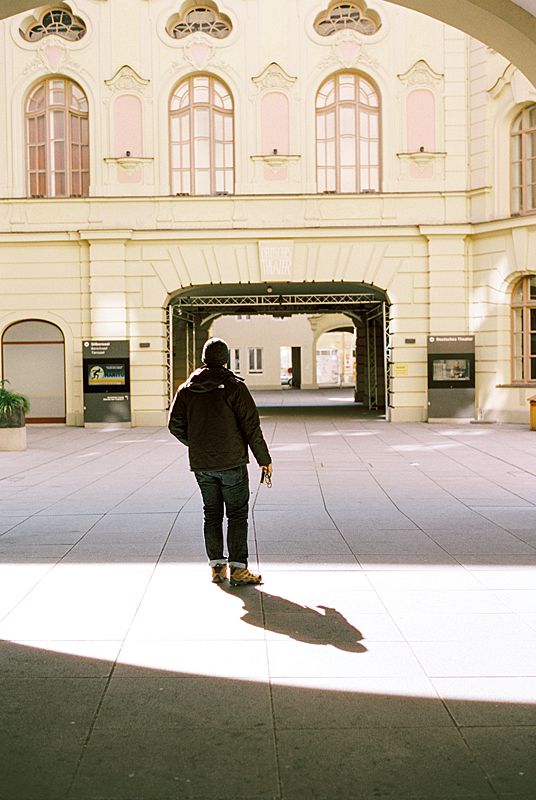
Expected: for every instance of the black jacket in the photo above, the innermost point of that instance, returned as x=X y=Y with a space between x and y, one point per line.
x=215 y=416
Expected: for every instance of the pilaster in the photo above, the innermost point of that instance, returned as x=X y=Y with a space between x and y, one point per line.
x=448 y=279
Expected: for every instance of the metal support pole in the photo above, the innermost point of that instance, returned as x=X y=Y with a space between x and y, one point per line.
x=386 y=365
x=169 y=375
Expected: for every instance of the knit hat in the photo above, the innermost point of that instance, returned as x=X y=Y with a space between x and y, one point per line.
x=215 y=353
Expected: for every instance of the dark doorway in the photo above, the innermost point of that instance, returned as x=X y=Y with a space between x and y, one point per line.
x=296 y=367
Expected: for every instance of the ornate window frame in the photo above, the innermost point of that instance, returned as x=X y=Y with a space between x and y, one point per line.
x=345 y=15
x=201 y=17
x=57 y=20
x=523 y=162
x=57 y=135
x=192 y=162
x=523 y=331
x=332 y=145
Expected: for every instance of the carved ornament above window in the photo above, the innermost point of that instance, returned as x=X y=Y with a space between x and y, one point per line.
x=347 y=16
x=56 y=21
x=205 y=18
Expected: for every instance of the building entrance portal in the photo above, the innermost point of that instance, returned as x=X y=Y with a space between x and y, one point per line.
x=191 y=313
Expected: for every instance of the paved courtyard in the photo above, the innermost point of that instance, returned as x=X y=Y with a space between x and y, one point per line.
x=390 y=653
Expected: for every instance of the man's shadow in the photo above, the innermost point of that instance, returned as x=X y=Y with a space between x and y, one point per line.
x=273 y=613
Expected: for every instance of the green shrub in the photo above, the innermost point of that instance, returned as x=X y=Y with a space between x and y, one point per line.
x=11 y=403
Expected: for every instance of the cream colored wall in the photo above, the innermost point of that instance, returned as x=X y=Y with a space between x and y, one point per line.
x=270 y=334
x=443 y=248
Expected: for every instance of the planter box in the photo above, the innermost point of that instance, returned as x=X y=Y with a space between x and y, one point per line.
x=12 y=438
x=13 y=432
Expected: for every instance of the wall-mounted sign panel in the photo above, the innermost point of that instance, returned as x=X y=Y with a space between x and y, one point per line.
x=451 y=377
x=106 y=366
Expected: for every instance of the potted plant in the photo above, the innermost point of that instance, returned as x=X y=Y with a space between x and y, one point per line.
x=13 y=410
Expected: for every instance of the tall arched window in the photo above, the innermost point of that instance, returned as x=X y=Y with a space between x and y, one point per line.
x=202 y=149
x=524 y=161
x=348 y=135
x=57 y=140
x=524 y=330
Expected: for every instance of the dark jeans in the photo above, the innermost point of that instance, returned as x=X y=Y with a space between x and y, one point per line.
x=225 y=489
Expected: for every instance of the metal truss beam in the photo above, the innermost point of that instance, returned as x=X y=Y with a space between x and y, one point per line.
x=273 y=302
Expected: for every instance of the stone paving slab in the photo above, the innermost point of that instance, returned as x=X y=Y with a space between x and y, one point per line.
x=389 y=655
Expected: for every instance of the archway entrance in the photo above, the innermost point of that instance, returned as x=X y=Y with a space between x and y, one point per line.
x=191 y=313
x=33 y=358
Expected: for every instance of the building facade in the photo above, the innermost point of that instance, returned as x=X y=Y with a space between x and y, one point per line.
x=164 y=163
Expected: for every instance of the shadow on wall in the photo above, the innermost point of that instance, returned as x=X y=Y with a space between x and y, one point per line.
x=80 y=728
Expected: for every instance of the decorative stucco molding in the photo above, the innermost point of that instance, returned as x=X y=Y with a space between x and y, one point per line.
x=522 y=90
x=276 y=161
x=127 y=79
x=502 y=82
x=348 y=52
x=421 y=158
x=129 y=163
x=273 y=77
x=421 y=74
x=53 y=55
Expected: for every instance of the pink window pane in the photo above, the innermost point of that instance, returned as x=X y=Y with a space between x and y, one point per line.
x=57 y=93
x=347 y=87
x=202 y=154
x=37 y=100
x=201 y=90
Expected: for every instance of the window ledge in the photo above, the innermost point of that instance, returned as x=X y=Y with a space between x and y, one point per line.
x=421 y=157
x=276 y=160
x=129 y=163
x=516 y=385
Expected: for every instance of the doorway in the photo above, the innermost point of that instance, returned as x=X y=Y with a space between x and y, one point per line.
x=33 y=360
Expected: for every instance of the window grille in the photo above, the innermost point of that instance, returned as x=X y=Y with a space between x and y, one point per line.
x=523 y=161
x=202 y=19
x=57 y=22
x=57 y=140
x=202 y=137
x=348 y=135
x=346 y=16
x=524 y=330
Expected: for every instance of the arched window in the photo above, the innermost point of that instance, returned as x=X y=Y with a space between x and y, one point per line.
x=524 y=330
x=524 y=161
x=348 y=135
x=202 y=149
x=347 y=16
x=57 y=140
x=199 y=18
x=54 y=22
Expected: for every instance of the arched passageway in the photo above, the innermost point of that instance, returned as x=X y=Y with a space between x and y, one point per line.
x=192 y=311
x=506 y=26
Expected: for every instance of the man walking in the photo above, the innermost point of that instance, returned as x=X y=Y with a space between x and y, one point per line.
x=215 y=416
